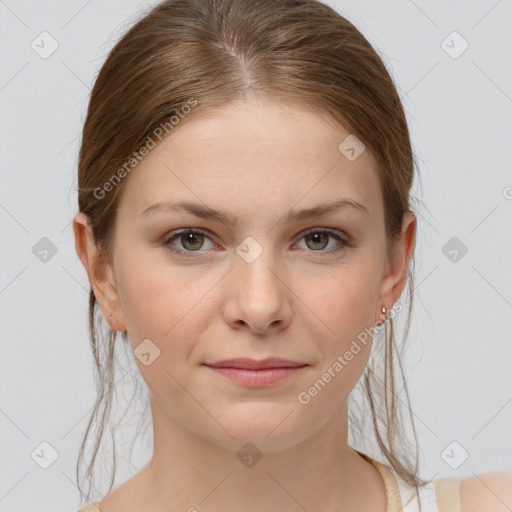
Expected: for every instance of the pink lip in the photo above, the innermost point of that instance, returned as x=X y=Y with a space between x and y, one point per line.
x=253 y=364
x=253 y=373
x=257 y=378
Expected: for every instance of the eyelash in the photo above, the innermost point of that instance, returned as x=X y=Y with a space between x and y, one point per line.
x=344 y=242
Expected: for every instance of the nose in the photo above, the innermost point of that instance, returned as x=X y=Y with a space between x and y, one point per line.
x=259 y=295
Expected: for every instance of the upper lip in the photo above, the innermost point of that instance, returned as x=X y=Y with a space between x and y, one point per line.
x=253 y=364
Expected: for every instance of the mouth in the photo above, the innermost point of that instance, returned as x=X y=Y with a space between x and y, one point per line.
x=253 y=373
x=253 y=364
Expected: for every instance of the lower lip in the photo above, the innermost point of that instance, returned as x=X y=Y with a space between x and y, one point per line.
x=257 y=378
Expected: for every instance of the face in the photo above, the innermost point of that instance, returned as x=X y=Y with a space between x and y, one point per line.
x=271 y=275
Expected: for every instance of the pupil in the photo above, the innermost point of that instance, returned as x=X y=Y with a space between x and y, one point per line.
x=191 y=238
x=315 y=237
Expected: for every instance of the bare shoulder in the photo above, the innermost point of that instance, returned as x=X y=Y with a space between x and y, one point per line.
x=128 y=496
x=489 y=492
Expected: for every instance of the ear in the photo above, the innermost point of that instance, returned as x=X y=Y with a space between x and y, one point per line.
x=101 y=275
x=393 y=282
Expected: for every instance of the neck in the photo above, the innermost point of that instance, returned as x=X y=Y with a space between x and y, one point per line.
x=321 y=473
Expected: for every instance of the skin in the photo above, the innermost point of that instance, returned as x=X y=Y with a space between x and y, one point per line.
x=298 y=300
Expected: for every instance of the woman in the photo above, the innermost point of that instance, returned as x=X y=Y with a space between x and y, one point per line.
x=245 y=222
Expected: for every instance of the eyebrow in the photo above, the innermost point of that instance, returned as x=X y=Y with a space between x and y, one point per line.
x=205 y=212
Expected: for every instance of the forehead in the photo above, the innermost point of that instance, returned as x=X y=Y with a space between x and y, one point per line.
x=264 y=155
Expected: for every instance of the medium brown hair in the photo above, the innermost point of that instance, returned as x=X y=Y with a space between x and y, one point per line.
x=217 y=51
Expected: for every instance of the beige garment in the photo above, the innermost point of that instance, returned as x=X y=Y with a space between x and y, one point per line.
x=441 y=495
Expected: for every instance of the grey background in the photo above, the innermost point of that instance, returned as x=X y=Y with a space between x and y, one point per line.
x=459 y=110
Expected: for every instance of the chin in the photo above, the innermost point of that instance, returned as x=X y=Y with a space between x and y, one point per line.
x=269 y=433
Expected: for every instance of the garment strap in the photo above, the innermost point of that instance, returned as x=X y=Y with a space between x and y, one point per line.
x=92 y=507
x=447 y=494
x=394 y=501
x=447 y=491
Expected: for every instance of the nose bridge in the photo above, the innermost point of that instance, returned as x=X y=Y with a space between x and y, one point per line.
x=256 y=263
x=258 y=297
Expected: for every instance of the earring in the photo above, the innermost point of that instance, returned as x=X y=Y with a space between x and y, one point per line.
x=383 y=313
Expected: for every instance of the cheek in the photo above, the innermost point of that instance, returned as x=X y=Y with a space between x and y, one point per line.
x=344 y=308
x=162 y=302
x=345 y=300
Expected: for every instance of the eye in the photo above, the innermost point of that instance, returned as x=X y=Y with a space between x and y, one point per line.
x=317 y=240
x=191 y=239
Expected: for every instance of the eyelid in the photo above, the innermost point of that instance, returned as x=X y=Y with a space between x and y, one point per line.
x=344 y=236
